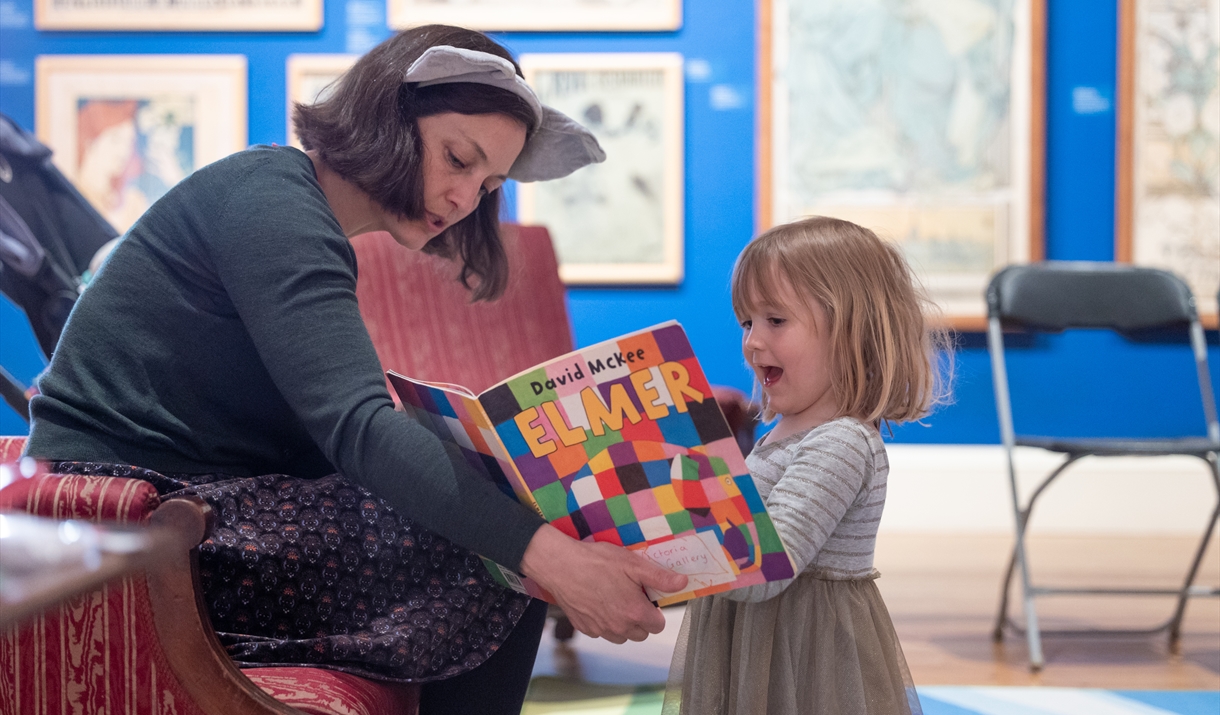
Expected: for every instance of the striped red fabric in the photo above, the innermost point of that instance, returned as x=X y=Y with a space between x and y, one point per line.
x=99 y=653
x=11 y=448
x=326 y=692
x=424 y=326
x=96 y=499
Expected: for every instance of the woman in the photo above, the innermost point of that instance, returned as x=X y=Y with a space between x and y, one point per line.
x=222 y=341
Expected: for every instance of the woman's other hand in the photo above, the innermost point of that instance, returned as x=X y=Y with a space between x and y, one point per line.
x=599 y=586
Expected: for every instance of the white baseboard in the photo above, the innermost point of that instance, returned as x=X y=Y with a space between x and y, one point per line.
x=965 y=488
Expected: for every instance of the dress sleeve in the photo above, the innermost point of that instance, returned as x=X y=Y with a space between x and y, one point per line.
x=827 y=474
x=291 y=275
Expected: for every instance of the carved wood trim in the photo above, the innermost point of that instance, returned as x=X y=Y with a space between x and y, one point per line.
x=180 y=618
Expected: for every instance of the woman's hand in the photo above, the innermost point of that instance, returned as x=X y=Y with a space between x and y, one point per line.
x=599 y=586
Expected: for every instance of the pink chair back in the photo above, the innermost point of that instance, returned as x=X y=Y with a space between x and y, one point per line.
x=424 y=326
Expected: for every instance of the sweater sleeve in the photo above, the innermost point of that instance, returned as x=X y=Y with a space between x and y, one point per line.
x=827 y=473
x=291 y=275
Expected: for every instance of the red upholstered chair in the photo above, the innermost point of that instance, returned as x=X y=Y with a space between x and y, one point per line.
x=142 y=645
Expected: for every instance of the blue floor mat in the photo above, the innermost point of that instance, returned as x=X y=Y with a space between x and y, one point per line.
x=1066 y=701
x=559 y=698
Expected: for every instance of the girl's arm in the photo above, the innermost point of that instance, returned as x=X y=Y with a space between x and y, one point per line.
x=831 y=466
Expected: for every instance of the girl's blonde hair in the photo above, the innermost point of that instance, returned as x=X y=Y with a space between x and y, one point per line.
x=884 y=343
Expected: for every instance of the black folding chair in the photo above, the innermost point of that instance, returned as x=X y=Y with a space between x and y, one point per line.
x=1049 y=298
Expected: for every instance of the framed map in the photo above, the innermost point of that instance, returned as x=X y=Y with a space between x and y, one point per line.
x=538 y=14
x=923 y=121
x=619 y=221
x=1168 y=202
x=309 y=77
x=126 y=128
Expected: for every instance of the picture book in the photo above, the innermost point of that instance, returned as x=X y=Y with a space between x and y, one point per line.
x=621 y=442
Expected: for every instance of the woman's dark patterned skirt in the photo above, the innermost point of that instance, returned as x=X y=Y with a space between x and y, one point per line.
x=320 y=572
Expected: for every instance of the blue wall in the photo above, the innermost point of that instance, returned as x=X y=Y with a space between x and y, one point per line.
x=720 y=205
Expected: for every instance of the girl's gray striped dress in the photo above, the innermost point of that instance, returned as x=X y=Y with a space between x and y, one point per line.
x=823 y=642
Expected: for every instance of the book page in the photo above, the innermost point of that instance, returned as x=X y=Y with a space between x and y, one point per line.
x=452 y=413
x=697 y=555
x=446 y=386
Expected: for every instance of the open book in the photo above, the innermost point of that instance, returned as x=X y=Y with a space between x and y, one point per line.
x=620 y=442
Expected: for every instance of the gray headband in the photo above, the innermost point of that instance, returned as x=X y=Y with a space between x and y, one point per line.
x=557 y=147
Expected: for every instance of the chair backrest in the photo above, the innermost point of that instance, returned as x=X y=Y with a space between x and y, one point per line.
x=423 y=324
x=1055 y=295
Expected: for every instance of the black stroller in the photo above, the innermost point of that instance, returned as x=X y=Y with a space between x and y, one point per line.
x=49 y=234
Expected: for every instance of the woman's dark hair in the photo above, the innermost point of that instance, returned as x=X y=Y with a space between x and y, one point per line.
x=366 y=131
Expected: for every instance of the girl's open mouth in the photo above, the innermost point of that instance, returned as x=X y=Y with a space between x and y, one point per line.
x=771 y=375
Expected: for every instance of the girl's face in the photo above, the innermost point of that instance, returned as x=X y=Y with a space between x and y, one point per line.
x=466 y=157
x=788 y=347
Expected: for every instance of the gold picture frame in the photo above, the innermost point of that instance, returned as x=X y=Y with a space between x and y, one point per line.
x=179 y=15
x=538 y=15
x=126 y=128
x=952 y=170
x=308 y=77
x=1167 y=203
x=619 y=222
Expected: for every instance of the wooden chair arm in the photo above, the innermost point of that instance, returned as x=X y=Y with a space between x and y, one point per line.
x=180 y=618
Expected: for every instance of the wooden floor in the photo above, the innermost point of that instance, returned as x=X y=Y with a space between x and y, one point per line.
x=942 y=592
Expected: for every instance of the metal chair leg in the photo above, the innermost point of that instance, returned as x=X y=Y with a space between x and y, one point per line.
x=1032 y=634
x=1002 y=617
x=1175 y=623
x=1029 y=592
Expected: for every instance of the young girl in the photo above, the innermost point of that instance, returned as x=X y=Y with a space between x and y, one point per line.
x=835 y=329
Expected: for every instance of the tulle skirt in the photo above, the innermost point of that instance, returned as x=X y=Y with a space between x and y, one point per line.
x=822 y=647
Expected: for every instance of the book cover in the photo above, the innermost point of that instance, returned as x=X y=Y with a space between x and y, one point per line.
x=620 y=442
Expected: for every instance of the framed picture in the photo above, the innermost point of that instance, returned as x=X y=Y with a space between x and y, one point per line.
x=160 y=15
x=921 y=121
x=1168 y=193
x=619 y=221
x=538 y=14
x=309 y=77
x=126 y=128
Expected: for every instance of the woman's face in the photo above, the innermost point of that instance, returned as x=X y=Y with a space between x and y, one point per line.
x=466 y=156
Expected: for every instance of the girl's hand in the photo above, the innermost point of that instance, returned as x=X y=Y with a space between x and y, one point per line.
x=599 y=586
